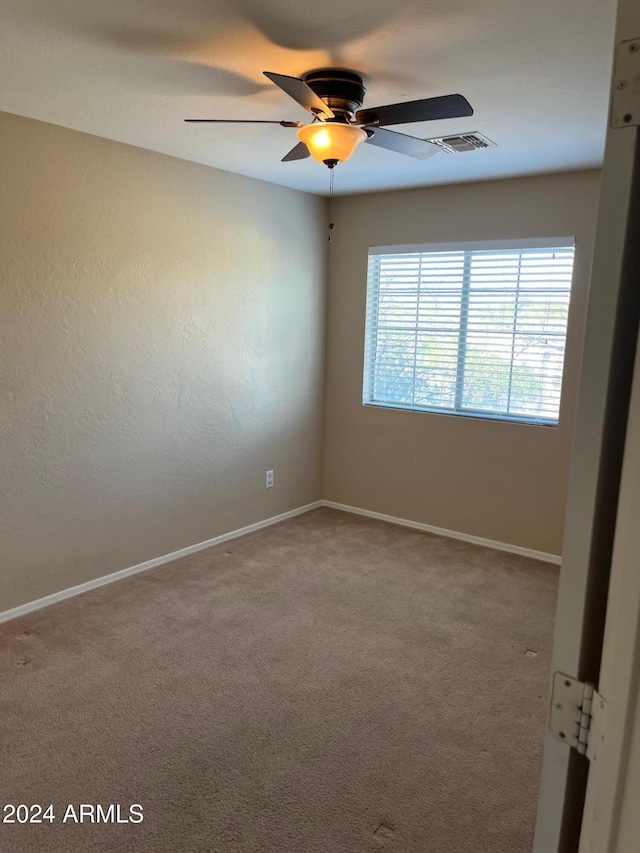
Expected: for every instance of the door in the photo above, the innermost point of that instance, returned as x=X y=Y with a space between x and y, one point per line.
x=595 y=491
x=611 y=822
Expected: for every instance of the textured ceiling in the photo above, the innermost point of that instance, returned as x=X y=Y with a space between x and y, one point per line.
x=536 y=73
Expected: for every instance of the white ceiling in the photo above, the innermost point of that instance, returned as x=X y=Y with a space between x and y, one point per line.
x=535 y=71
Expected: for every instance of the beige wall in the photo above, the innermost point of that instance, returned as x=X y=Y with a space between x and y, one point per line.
x=502 y=481
x=162 y=337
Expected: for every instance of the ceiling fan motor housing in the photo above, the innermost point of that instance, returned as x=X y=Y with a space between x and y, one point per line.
x=342 y=91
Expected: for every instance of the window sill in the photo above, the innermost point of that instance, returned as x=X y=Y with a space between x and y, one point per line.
x=483 y=416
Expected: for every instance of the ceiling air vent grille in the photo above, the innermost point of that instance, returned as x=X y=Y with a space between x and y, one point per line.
x=462 y=142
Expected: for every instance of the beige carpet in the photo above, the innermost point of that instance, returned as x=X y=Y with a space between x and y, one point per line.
x=331 y=684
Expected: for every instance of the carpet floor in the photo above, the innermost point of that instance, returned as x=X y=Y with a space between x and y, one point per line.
x=331 y=684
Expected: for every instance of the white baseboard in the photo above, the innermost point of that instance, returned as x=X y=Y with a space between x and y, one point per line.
x=23 y=609
x=451 y=534
x=31 y=606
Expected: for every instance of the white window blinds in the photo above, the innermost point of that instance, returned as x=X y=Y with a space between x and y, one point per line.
x=477 y=329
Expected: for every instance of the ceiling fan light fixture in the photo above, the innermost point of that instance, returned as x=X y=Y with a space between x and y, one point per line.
x=331 y=141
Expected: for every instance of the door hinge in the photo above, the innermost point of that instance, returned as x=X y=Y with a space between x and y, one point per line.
x=577 y=715
x=624 y=110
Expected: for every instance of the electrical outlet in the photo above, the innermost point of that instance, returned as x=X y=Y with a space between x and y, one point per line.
x=268 y=479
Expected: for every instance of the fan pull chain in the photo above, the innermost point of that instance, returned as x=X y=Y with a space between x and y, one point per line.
x=331 y=223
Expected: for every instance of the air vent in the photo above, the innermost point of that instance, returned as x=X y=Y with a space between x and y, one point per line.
x=462 y=142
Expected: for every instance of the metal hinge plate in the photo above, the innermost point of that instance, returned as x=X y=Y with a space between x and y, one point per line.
x=577 y=715
x=625 y=95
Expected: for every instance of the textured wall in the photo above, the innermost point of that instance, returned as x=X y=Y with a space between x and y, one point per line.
x=162 y=328
x=503 y=481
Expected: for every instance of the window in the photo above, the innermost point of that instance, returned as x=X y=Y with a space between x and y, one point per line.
x=476 y=329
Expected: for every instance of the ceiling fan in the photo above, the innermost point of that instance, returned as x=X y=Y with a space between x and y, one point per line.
x=334 y=97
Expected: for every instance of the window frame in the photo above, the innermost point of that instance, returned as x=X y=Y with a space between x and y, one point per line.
x=371 y=325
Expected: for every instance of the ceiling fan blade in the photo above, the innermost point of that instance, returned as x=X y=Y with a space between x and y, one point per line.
x=299 y=152
x=428 y=109
x=241 y=121
x=300 y=92
x=400 y=142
